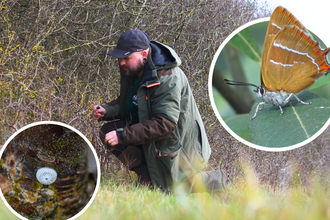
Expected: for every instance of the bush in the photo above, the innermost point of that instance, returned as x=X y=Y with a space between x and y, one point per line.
x=54 y=67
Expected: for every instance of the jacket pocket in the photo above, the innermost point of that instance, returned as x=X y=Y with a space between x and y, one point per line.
x=200 y=141
x=167 y=164
x=168 y=145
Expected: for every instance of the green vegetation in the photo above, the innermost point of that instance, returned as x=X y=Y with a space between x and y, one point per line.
x=248 y=200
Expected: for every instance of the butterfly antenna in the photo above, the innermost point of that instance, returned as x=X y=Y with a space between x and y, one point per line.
x=231 y=82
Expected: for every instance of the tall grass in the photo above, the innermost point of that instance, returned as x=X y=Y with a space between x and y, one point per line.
x=248 y=200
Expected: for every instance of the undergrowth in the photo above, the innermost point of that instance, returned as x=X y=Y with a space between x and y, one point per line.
x=247 y=201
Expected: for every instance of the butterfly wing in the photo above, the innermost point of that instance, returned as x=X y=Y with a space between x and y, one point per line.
x=280 y=18
x=294 y=61
x=289 y=49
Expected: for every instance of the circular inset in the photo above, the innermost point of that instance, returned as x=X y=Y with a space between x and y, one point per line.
x=268 y=131
x=46 y=175
x=48 y=170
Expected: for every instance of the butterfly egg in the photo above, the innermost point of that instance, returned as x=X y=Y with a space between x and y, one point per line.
x=46 y=175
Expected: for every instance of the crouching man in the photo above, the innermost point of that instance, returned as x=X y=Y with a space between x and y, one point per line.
x=158 y=131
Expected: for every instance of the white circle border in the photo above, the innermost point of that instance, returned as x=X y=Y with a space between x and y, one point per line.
x=215 y=58
x=85 y=139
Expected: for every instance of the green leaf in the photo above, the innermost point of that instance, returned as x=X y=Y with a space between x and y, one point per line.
x=324 y=80
x=299 y=121
x=245 y=43
x=239 y=125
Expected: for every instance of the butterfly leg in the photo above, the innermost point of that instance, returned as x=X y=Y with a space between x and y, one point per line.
x=257 y=109
x=305 y=103
x=299 y=100
x=281 y=109
x=280 y=105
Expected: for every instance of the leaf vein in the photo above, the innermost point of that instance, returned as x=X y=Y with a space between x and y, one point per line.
x=250 y=46
x=299 y=119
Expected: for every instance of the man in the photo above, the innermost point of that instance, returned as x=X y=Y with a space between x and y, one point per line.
x=160 y=133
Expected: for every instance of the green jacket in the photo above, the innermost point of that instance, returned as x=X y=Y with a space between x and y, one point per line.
x=170 y=129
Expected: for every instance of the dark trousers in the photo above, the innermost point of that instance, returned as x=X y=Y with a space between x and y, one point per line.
x=131 y=156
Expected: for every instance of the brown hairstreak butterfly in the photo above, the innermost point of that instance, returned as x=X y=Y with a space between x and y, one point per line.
x=291 y=61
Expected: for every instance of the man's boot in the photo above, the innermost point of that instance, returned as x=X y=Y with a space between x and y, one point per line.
x=214 y=182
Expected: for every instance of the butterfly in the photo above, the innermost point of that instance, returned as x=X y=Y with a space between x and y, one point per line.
x=291 y=61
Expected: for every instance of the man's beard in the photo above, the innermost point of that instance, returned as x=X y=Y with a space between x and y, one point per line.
x=130 y=72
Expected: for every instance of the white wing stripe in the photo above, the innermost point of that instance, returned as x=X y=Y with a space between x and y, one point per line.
x=297 y=52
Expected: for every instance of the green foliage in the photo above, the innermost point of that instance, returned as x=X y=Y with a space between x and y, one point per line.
x=245 y=42
x=298 y=123
x=269 y=129
x=239 y=124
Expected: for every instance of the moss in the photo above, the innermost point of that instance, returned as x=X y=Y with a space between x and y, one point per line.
x=37 y=185
x=11 y=199
x=69 y=146
x=17 y=190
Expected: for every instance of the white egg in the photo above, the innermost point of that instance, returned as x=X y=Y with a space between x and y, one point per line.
x=46 y=175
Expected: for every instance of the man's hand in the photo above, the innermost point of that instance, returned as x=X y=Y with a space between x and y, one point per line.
x=111 y=138
x=98 y=112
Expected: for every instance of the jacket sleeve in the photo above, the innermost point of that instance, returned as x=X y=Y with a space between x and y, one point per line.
x=141 y=133
x=112 y=110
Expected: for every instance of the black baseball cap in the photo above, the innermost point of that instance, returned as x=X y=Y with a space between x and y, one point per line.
x=130 y=42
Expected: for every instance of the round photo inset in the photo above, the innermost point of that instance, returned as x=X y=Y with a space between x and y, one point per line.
x=236 y=92
x=48 y=170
